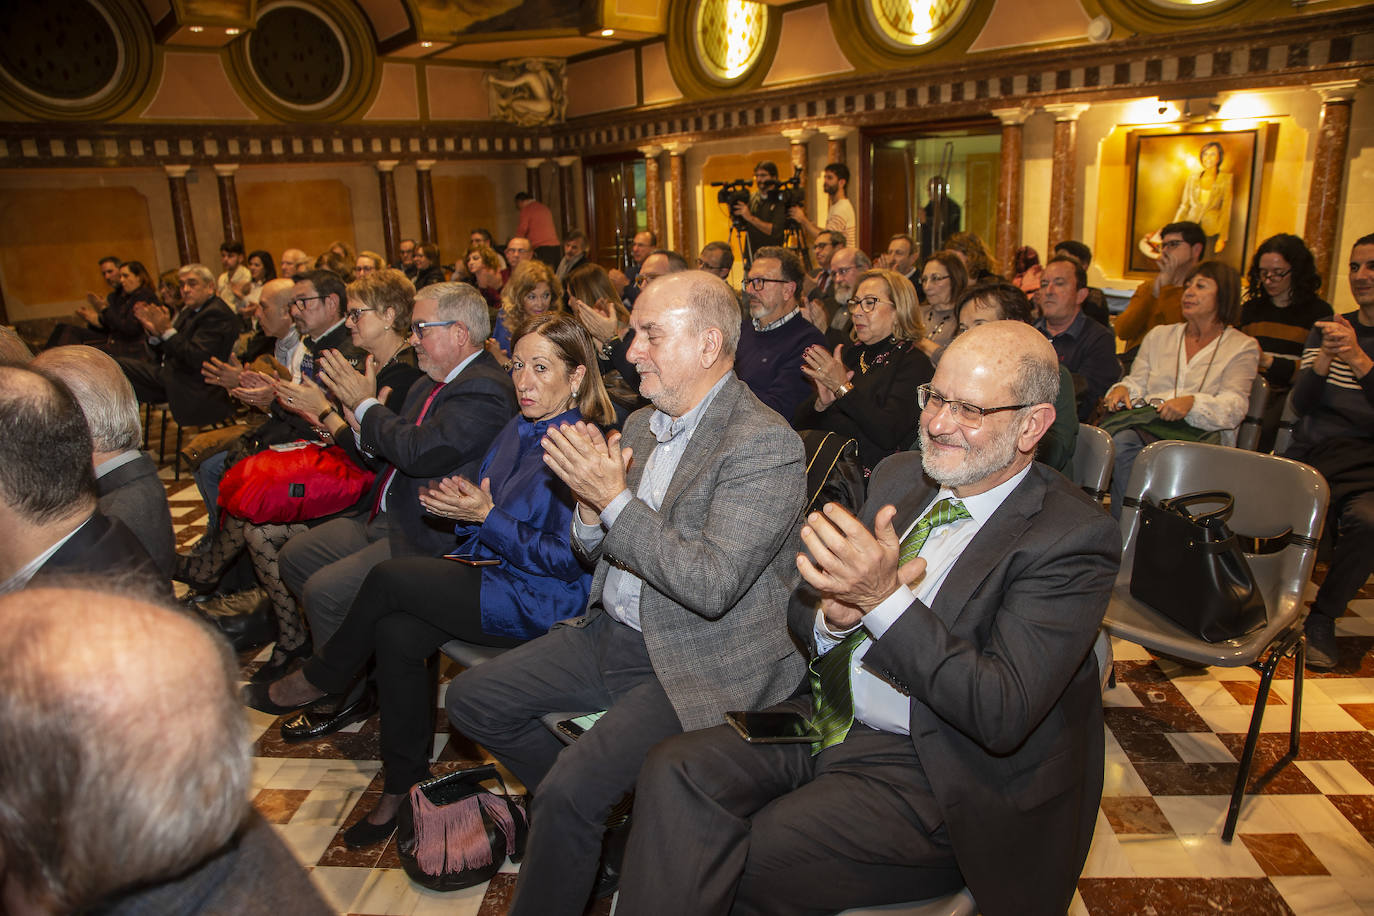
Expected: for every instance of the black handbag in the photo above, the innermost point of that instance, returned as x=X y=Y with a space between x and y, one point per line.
x=452 y=833
x=1190 y=567
x=833 y=471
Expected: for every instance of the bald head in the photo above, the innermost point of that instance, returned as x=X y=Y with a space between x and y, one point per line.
x=154 y=750
x=686 y=328
x=1001 y=364
x=294 y=261
x=274 y=307
x=103 y=391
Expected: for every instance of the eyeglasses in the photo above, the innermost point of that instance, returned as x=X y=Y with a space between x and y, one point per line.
x=758 y=283
x=364 y=269
x=933 y=278
x=1173 y=243
x=418 y=328
x=354 y=314
x=969 y=416
x=644 y=280
x=867 y=304
x=300 y=301
x=843 y=270
x=1277 y=274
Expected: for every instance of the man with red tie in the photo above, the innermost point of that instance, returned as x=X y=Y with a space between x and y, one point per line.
x=443 y=429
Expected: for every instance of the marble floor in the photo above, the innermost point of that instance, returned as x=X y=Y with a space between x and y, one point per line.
x=1304 y=845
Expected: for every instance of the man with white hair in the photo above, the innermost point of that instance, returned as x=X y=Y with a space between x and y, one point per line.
x=124 y=772
x=125 y=478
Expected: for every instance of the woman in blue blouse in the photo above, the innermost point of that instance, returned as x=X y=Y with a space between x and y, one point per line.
x=511 y=575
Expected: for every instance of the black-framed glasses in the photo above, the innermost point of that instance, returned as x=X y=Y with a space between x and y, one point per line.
x=1276 y=274
x=758 y=283
x=969 y=416
x=928 y=279
x=300 y=301
x=418 y=328
x=867 y=304
x=354 y=314
x=1173 y=243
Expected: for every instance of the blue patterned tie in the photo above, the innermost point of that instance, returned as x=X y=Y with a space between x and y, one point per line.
x=830 y=689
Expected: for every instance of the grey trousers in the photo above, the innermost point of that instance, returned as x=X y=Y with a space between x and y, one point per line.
x=603 y=665
x=325 y=566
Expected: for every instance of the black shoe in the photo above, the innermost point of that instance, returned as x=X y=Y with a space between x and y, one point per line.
x=282 y=663
x=1322 y=653
x=246 y=617
x=256 y=697
x=365 y=833
x=613 y=850
x=313 y=724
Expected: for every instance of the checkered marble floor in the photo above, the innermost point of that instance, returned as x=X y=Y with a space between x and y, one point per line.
x=1304 y=844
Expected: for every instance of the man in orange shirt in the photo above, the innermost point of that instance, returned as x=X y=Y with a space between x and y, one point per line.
x=1161 y=300
x=536 y=224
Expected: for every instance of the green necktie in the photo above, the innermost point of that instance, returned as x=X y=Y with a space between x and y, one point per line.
x=830 y=690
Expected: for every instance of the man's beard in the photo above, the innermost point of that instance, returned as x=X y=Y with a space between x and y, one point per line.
x=977 y=464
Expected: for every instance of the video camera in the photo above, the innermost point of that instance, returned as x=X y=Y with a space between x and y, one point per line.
x=790 y=192
x=731 y=193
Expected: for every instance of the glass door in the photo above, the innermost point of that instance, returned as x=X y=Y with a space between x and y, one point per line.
x=616 y=207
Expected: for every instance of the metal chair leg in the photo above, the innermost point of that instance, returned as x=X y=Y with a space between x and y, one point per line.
x=1293 y=641
x=1295 y=729
x=162 y=439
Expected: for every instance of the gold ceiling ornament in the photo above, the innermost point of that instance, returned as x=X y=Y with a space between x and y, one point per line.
x=917 y=23
x=729 y=35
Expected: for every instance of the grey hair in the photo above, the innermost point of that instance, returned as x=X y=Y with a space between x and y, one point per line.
x=130 y=777
x=1036 y=381
x=463 y=303
x=713 y=305
x=101 y=389
x=200 y=271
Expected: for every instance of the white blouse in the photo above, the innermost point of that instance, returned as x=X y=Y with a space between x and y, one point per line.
x=1219 y=376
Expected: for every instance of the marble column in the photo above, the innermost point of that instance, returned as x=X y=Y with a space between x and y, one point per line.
x=182 y=223
x=653 y=191
x=567 y=194
x=834 y=143
x=229 y=202
x=677 y=206
x=1063 y=172
x=532 y=179
x=391 y=223
x=1009 y=185
x=424 y=190
x=1328 y=177
x=801 y=159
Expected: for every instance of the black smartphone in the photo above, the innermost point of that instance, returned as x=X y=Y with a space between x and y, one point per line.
x=575 y=726
x=773 y=727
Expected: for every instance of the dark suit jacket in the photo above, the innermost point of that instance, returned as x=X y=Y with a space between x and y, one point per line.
x=456 y=432
x=210 y=331
x=133 y=494
x=286 y=426
x=1006 y=714
x=105 y=548
x=717 y=558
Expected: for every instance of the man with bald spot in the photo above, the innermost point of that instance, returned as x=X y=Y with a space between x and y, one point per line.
x=951 y=684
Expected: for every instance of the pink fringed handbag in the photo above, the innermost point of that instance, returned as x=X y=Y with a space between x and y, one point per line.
x=455 y=834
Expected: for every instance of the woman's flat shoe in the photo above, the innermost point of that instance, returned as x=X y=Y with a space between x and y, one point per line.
x=365 y=833
x=257 y=697
x=280 y=664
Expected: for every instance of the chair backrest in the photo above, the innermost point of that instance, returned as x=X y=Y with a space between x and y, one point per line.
x=1287 y=420
x=1247 y=436
x=1093 y=455
x=1271 y=494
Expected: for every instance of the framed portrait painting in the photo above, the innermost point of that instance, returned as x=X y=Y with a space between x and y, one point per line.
x=1206 y=177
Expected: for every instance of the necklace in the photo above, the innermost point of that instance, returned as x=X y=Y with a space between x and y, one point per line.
x=1179 y=367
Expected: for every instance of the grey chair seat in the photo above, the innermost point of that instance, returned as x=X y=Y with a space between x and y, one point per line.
x=957 y=904
x=468 y=654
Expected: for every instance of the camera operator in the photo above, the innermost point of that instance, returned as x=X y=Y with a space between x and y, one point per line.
x=840 y=215
x=765 y=215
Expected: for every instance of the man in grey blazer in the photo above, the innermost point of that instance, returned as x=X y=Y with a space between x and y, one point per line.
x=955 y=687
x=691 y=519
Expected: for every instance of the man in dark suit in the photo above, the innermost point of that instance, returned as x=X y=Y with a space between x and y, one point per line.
x=48 y=494
x=693 y=551
x=955 y=691
x=126 y=479
x=205 y=328
x=443 y=429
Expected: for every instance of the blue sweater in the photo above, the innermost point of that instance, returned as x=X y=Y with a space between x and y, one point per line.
x=538 y=580
x=769 y=362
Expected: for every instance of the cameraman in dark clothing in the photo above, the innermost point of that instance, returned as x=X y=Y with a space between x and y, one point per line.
x=765 y=216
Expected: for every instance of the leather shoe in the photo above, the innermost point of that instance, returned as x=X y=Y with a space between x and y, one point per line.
x=245 y=617
x=1322 y=652
x=314 y=723
x=256 y=697
x=280 y=664
x=613 y=849
x=366 y=833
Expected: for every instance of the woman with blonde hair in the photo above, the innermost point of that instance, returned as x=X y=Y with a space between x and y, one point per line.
x=868 y=391
x=533 y=290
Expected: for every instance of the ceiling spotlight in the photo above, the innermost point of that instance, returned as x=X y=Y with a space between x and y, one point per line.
x=231 y=31
x=197 y=29
x=426 y=44
x=607 y=33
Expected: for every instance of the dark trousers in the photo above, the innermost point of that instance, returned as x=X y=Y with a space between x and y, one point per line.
x=722 y=826
x=406 y=609
x=1352 y=561
x=603 y=665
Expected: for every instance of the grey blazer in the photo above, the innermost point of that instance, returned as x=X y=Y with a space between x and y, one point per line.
x=1006 y=714
x=717 y=559
x=133 y=494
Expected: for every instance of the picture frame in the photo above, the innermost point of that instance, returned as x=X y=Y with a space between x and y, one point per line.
x=1206 y=176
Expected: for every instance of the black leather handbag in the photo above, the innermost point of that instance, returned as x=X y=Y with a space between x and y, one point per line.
x=1190 y=567
x=452 y=833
